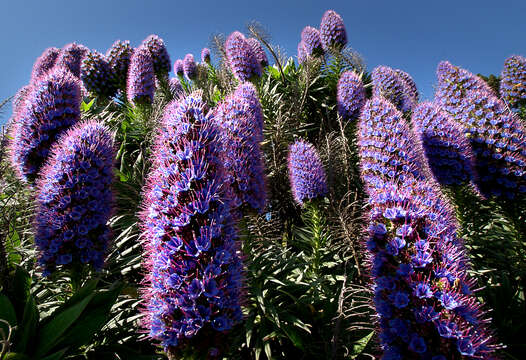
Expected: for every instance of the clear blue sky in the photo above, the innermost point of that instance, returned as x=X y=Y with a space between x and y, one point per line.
x=411 y=35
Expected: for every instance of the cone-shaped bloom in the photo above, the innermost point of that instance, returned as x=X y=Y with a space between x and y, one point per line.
x=312 y=40
x=260 y=54
x=332 y=30
x=350 y=95
x=141 y=77
x=74 y=199
x=178 y=67
x=175 y=87
x=160 y=58
x=447 y=149
x=118 y=57
x=389 y=84
x=189 y=66
x=71 y=57
x=241 y=58
x=50 y=107
x=205 y=55
x=409 y=82
x=239 y=117
x=194 y=275
x=302 y=53
x=307 y=176
x=44 y=63
x=96 y=75
x=513 y=83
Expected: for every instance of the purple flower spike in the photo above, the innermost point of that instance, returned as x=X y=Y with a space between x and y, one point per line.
x=205 y=55
x=195 y=276
x=44 y=63
x=50 y=107
x=409 y=82
x=241 y=58
x=141 y=77
x=175 y=87
x=160 y=58
x=71 y=57
x=74 y=199
x=118 y=57
x=350 y=95
x=96 y=75
x=178 y=67
x=307 y=175
x=189 y=66
x=332 y=30
x=513 y=83
x=312 y=40
x=240 y=119
x=447 y=150
x=302 y=53
x=258 y=50
x=389 y=84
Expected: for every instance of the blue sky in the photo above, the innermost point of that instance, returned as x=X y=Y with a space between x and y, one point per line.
x=410 y=35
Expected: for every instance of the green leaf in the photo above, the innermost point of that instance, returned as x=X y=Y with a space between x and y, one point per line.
x=27 y=329
x=274 y=72
x=7 y=313
x=85 y=107
x=12 y=243
x=359 y=346
x=56 y=356
x=16 y=356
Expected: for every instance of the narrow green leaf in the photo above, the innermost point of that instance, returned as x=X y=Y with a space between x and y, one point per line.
x=7 y=313
x=359 y=346
x=27 y=329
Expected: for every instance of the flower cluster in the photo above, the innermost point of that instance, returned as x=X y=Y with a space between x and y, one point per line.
x=160 y=58
x=409 y=82
x=513 y=83
x=74 y=199
x=239 y=117
x=71 y=56
x=194 y=270
x=178 y=67
x=307 y=176
x=96 y=75
x=302 y=52
x=175 y=87
x=448 y=151
x=312 y=40
x=44 y=63
x=141 y=77
x=189 y=67
x=332 y=30
x=50 y=107
x=350 y=95
x=389 y=84
x=241 y=57
x=118 y=57
x=258 y=51
x=205 y=55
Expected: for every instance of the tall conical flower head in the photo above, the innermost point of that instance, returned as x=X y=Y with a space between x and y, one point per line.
x=141 y=77
x=350 y=95
x=175 y=87
x=96 y=75
x=189 y=66
x=194 y=272
x=205 y=55
x=240 y=119
x=71 y=56
x=498 y=139
x=409 y=82
x=241 y=58
x=302 y=53
x=160 y=58
x=118 y=57
x=74 y=199
x=307 y=176
x=258 y=50
x=447 y=150
x=332 y=30
x=513 y=83
x=44 y=63
x=312 y=40
x=51 y=106
x=422 y=293
x=389 y=84
x=387 y=147
x=178 y=67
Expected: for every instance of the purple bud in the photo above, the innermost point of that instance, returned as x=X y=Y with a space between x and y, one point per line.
x=118 y=57
x=44 y=63
x=241 y=58
x=178 y=67
x=71 y=56
x=141 y=77
x=409 y=82
x=350 y=95
x=74 y=200
x=175 y=87
x=332 y=30
x=312 y=40
x=205 y=55
x=389 y=84
x=307 y=175
x=189 y=66
x=302 y=53
x=513 y=83
x=96 y=75
x=160 y=58
x=258 y=51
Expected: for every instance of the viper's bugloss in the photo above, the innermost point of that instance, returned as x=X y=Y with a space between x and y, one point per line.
x=332 y=30
x=44 y=63
x=189 y=67
x=71 y=56
x=389 y=84
x=159 y=53
x=205 y=55
x=302 y=53
x=513 y=83
x=118 y=57
x=350 y=95
x=258 y=50
x=141 y=77
x=178 y=67
x=96 y=75
x=312 y=40
x=409 y=82
x=175 y=87
x=241 y=57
